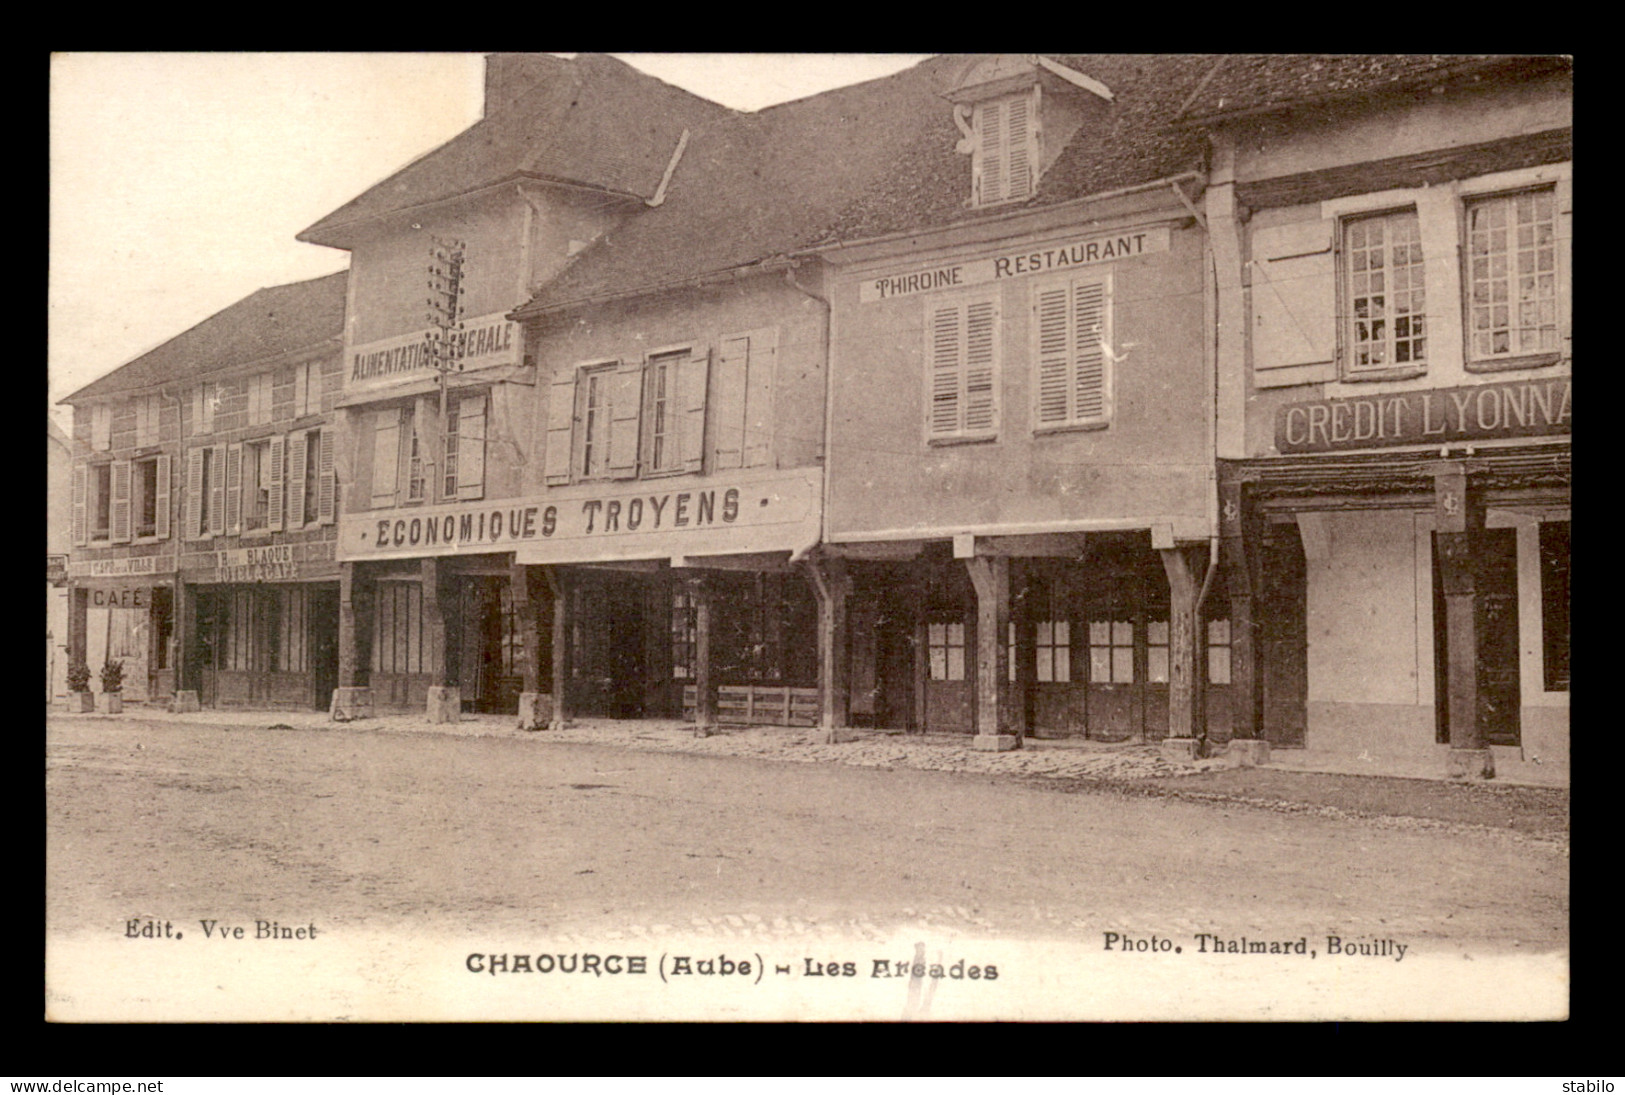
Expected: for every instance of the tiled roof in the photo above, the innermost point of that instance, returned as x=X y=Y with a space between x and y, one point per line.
x=264 y=324
x=866 y=160
x=1252 y=83
x=594 y=121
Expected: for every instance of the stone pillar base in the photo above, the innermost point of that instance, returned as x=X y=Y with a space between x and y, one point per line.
x=185 y=703
x=1181 y=748
x=836 y=735
x=351 y=703
x=445 y=704
x=535 y=710
x=1470 y=764
x=1248 y=752
x=995 y=743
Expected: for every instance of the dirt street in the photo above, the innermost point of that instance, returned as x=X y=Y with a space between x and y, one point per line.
x=368 y=833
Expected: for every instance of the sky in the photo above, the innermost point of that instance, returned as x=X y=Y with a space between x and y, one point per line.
x=178 y=180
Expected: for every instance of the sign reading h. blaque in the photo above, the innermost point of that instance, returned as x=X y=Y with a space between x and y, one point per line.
x=1013 y=264
x=1478 y=412
x=487 y=341
x=273 y=563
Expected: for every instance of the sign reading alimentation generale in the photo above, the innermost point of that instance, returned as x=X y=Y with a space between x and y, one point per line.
x=1478 y=412
x=1041 y=259
x=486 y=341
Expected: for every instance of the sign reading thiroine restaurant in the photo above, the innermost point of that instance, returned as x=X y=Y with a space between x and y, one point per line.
x=1478 y=412
x=1043 y=259
x=487 y=341
x=648 y=520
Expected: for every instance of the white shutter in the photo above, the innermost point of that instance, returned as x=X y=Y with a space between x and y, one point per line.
x=259 y=405
x=561 y=414
x=192 y=519
x=277 y=452
x=296 y=479
x=81 y=514
x=471 y=416
x=1093 y=339
x=625 y=402
x=1019 y=141
x=234 y=489
x=733 y=366
x=759 y=375
x=217 y=490
x=1053 y=348
x=301 y=390
x=980 y=395
x=991 y=151
x=119 y=511
x=160 y=508
x=327 y=481
x=945 y=410
x=386 y=456
x=693 y=374
x=1294 y=295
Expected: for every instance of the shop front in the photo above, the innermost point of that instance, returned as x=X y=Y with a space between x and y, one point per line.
x=124 y=608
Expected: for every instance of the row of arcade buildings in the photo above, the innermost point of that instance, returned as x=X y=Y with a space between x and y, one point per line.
x=1216 y=400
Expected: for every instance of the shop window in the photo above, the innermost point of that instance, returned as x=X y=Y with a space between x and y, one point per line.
x=1554 y=604
x=1218 y=652
x=1386 y=298
x=1111 y=651
x=1512 y=277
x=1054 y=650
x=945 y=644
x=682 y=635
x=1072 y=385
x=397 y=631
x=1156 y=651
x=1004 y=167
x=962 y=366
x=289 y=650
x=589 y=638
x=239 y=648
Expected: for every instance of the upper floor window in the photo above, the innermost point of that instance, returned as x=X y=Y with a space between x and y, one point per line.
x=464 y=437
x=1386 y=305
x=1512 y=276
x=416 y=485
x=597 y=391
x=661 y=423
x=101 y=502
x=1073 y=323
x=1005 y=165
x=962 y=360
x=101 y=427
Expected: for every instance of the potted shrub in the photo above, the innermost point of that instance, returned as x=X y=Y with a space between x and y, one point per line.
x=80 y=700
x=112 y=685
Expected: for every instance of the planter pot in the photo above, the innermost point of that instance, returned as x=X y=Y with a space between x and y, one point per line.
x=81 y=703
x=112 y=702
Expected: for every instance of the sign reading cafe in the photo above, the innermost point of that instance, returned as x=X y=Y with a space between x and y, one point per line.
x=1477 y=412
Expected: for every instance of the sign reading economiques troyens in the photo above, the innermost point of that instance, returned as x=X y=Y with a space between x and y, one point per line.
x=1477 y=412
x=772 y=511
x=1044 y=258
x=487 y=341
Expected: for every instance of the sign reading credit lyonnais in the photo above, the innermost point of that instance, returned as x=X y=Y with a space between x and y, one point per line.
x=487 y=341
x=655 y=518
x=1478 y=412
x=1041 y=259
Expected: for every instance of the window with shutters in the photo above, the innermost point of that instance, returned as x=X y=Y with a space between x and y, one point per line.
x=465 y=447
x=1005 y=165
x=594 y=390
x=1072 y=386
x=150 y=497
x=1513 y=279
x=962 y=370
x=662 y=422
x=386 y=455
x=1385 y=295
x=257 y=477
x=416 y=485
x=101 y=502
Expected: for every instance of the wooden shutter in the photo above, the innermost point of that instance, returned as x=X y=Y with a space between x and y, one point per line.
x=197 y=410
x=234 y=489
x=301 y=390
x=1019 y=142
x=192 y=519
x=991 y=152
x=205 y=419
x=160 y=507
x=327 y=481
x=217 y=490
x=296 y=479
x=961 y=365
x=1294 y=295
x=733 y=366
x=386 y=456
x=1053 y=351
x=471 y=446
x=561 y=414
x=119 y=510
x=625 y=387
x=945 y=411
x=759 y=374
x=257 y=404
x=1091 y=318
x=277 y=452
x=693 y=374
x=981 y=396
x=81 y=508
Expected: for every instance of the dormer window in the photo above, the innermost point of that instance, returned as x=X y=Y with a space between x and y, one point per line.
x=1004 y=166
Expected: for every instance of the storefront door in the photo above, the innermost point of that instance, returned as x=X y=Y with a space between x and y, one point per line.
x=1282 y=616
x=1495 y=621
